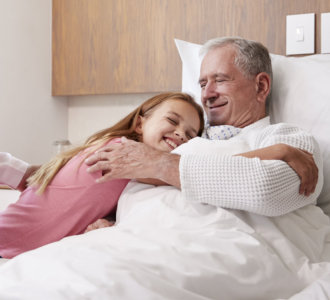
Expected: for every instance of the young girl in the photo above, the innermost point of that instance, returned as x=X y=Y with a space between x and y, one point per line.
x=63 y=198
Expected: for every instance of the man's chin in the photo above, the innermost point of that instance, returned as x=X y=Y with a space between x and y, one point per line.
x=216 y=120
x=217 y=116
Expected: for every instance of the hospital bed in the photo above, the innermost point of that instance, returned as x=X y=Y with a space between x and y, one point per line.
x=165 y=248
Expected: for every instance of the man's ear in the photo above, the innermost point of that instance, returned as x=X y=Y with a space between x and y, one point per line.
x=139 y=123
x=263 y=83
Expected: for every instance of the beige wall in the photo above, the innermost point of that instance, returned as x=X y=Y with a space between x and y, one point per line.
x=30 y=119
x=88 y=114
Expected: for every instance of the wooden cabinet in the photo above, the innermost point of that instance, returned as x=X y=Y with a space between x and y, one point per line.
x=114 y=46
x=127 y=46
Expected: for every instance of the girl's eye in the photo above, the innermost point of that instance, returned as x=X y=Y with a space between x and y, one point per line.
x=172 y=121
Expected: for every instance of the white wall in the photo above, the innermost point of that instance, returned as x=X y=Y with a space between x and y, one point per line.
x=88 y=114
x=30 y=119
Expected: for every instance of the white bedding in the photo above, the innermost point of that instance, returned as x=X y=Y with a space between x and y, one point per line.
x=164 y=248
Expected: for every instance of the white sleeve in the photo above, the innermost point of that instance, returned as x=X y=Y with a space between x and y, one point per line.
x=268 y=187
x=12 y=170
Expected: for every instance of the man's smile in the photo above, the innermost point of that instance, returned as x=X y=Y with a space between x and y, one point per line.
x=217 y=105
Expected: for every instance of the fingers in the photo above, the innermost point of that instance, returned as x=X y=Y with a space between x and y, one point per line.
x=104 y=178
x=309 y=180
x=99 y=155
x=99 y=161
x=100 y=166
x=124 y=139
x=103 y=153
x=100 y=223
x=304 y=165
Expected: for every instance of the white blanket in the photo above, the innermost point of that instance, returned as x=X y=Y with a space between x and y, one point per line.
x=165 y=248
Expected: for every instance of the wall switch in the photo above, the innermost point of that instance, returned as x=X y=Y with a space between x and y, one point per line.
x=325 y=33
x=300 y=34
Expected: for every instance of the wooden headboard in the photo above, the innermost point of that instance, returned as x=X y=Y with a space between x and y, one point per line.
x=126 y=46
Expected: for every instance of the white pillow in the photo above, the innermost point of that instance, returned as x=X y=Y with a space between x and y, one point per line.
x=300 y=96
x=191 y=62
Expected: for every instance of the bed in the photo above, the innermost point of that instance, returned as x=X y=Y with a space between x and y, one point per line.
x=165 y=248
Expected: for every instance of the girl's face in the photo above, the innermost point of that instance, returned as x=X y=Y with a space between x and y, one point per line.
x=171 y=124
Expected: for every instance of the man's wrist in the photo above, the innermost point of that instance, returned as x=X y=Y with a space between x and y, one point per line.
x=169 y=171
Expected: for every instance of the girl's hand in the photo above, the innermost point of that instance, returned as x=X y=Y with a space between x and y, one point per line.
x=100 y=223
x=303 y=164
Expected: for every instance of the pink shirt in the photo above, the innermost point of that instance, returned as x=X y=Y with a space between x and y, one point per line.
x=69 y=204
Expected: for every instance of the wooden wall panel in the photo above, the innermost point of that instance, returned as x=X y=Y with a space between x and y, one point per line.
x=126 y=46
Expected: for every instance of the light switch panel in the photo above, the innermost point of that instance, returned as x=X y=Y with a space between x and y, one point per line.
x=325 y=33
x=300 y=34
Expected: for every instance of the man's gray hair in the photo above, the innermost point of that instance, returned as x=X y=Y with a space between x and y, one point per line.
x=251 y=58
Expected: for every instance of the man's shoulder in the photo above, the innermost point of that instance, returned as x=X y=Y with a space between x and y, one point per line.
x=288 y=134
x=285 y=129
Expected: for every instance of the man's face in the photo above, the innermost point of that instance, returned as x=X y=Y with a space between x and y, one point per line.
x=228 y=97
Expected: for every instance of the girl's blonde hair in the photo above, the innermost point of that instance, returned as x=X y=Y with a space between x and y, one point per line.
x=126 y=127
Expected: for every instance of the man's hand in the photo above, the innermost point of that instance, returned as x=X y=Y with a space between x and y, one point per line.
x=130 y=159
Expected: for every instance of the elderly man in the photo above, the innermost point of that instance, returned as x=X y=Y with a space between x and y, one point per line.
x=235 y=79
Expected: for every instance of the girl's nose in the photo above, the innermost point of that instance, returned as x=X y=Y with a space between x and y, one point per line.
x=180 y=135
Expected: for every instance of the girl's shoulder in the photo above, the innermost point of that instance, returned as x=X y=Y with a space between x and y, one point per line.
x=115 y=140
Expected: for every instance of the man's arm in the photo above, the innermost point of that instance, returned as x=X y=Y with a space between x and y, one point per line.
x=266 y=187
x=163 y=168
x=300 y=161
x=263 y=187
x=136 y=160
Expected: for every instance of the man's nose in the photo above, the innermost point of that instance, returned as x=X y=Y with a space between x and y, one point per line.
x=209 y=91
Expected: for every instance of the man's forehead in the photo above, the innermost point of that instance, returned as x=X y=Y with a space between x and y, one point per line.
x=225 y=54
x=218 y=62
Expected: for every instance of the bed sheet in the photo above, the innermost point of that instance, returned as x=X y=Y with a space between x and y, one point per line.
x=165 y=248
